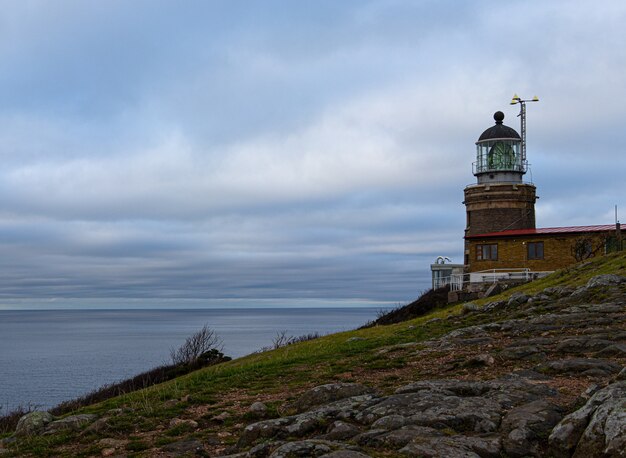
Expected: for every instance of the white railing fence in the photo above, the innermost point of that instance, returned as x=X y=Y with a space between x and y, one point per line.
x=457 y=281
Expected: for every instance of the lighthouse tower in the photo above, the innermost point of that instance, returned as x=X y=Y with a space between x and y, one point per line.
x=500 y=200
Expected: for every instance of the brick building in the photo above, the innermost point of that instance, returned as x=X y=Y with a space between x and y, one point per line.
x=500 y=232
x=540 y=250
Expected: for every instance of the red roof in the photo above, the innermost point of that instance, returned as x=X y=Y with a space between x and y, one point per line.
x=546 y=230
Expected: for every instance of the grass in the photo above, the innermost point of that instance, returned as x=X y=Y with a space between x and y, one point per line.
x=285 y=371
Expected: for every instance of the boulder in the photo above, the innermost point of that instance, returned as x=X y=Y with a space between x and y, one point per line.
x=398 y=438
x=324 y=394
x=469 y=307
x=340 y=430
x=522 y=352
x=390 y=422
x=583 y=345
x=33 y=423
x=605 y=280
x=523 y=426
x=598 y=429
x=517 y=299
x=258 y=409
x=454 y=447
x=309 y=448
x=582 y=366
x=73 y=423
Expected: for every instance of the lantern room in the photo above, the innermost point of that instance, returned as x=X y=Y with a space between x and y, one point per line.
x=499 y=157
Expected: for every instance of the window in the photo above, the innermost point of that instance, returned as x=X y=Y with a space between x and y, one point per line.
x=501 y=156
x=487 y=252
x=535 y=250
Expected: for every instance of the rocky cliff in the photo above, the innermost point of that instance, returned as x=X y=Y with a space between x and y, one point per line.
x=558 y=344
x=530 y=374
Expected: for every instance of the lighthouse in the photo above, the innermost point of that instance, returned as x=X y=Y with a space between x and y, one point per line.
x=500 y=200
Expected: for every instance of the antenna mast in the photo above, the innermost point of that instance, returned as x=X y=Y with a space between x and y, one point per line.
x=522 y=114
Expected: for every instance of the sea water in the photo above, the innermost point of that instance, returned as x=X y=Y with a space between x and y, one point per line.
x=49 y=356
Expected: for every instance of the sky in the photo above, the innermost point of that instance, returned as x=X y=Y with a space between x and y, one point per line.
x=281 y=150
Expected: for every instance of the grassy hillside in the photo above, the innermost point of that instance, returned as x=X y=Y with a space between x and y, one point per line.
x=381 y=356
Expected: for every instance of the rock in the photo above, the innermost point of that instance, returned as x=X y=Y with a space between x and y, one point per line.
x=309 y=448
x=99 y=425
x=605 y=280
x=517 y=299
x=438 y=410
x=112 y=443
x=264 y=449
x=303 y=424
x=398 y=438
x=618 y=350
x=174 y=422
x=483 y=359
x=469 y=307
x=389 y=422
x=523 y=426
x=33 y=423
x=596 y=429
x=586 y=395
x=345 y=454
x=170 y=403
x=355 y=339
x=73 y=422
x=324 y=394
x=340 y=430
x=258 y=409
x=582 y=345
x=111 y=446
x=582 y=366
x=368 y=438
x=454 y=447
x=494 y=305
x=522 y=352
x=621 y=375
x=221 y=417
x=557 y=291
x=184 y=447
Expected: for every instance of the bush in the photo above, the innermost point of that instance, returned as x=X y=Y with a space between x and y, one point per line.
x=428 y=301
x=204 y=344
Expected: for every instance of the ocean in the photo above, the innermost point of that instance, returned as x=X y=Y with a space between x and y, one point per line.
x=49 y=356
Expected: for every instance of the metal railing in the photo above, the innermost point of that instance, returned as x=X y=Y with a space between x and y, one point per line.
x=495 y=275
x=457 y=281
x=513 y=166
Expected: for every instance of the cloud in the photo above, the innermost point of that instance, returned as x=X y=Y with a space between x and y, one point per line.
x=285 y=149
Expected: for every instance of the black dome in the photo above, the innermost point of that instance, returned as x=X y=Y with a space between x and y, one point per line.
x=499 y=130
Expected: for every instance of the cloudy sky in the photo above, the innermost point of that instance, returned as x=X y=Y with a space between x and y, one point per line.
x=286 y=149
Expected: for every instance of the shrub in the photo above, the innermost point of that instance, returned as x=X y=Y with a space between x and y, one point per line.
x=428 y=301
x=204 y=344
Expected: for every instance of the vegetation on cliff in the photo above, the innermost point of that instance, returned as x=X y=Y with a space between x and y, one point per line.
x=207 y=411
